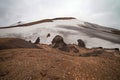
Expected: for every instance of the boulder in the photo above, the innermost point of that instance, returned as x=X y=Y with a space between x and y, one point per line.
x=59 y=43
x=30 y=41
x=37 y=41
x=81 y=43
x=117 y=49
x=48 y=35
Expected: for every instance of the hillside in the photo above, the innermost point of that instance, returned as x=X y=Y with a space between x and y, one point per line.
x=59 y=49
x=70 y=28
x=12 y=43
x=49 y=63
x=42 y=64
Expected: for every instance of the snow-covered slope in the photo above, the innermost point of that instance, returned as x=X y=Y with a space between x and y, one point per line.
x=71 y=29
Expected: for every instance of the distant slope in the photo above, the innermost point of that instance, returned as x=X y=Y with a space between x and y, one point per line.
x=12 y=43
x=69 y=28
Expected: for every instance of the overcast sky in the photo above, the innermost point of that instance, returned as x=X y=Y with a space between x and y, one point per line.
x=104 y=12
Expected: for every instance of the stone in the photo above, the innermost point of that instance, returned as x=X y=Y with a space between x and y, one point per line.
x=81 y=43
x=59 y=43
x=37 y=41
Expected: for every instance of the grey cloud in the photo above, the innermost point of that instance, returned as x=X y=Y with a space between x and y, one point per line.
x=104 y=12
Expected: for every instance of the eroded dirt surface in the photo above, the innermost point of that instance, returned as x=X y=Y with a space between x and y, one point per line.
x=52 y=64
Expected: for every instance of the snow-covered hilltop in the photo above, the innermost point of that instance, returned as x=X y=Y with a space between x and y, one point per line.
x=70 y=28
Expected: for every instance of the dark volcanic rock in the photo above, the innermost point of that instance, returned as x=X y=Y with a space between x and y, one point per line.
x=48 y=35
x=37 y=41
x=59 y=43
x=30 y=41
x=116 y=49
x=81 y=43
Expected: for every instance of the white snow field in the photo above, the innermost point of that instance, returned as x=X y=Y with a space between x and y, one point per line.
x=71 y=29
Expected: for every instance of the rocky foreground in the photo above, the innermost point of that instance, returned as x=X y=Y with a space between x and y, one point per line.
x=58 y=61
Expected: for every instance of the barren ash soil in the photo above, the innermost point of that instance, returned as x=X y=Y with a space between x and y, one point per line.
x=47 y=63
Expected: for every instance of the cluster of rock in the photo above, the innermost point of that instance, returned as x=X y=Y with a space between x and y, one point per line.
x=58 y=43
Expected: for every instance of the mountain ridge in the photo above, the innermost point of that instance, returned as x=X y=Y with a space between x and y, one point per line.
x=38 y=22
